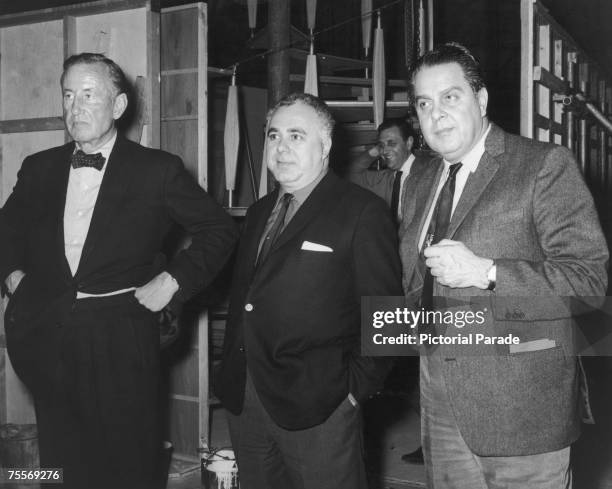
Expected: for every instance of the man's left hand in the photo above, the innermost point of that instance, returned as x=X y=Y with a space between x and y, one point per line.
x=156 y=294
x=456 y=266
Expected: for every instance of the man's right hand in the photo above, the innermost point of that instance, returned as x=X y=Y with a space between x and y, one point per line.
x=13 y=280
x=374 y=151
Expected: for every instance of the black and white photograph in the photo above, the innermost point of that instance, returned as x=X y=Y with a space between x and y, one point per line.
x=301 y=244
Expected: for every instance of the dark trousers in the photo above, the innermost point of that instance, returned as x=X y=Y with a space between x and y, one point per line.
x=327 y=456
x=100 y=422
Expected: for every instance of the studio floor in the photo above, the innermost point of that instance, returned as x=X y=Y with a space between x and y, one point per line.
x=392 y=429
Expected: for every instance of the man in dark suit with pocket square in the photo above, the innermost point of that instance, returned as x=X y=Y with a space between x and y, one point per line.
x=81 y=239
x=292 y=377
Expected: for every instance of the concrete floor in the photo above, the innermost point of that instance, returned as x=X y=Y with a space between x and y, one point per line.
x=392 y=429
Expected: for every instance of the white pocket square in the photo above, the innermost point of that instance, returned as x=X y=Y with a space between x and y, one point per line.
x=535 y=345
x=310 y=246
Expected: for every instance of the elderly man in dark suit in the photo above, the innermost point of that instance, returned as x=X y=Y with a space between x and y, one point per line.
x=80 y=257
x=508 y=224
x=292 y=376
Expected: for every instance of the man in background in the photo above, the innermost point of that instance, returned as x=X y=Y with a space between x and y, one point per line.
x=394 y=150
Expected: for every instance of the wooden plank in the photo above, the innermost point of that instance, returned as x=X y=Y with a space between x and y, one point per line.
x=183 y=418
x=558 y=73
x=348 y=80
x=180 y=96
x=545 y=17
x=179 y=118
x=80 y=9
x=202 y=138
x=181 y=71
x=202 y=64
x=178 y=136
x=30 y=67
x=218 y=72
x=153 y=26
x=110 y=33
x=183 y=378
x=543 y=94
x=543 y=58
x=70 y=36
x=32 y=125
x=70 y=47
x=15 y=147
x=182 y=52
x=542 y=122
x=180 y=397
x=527 y=62
x=547 y=79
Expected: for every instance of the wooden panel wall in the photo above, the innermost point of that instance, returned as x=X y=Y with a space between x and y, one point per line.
x=553 y=66
x=184 y=132
x=33 y=46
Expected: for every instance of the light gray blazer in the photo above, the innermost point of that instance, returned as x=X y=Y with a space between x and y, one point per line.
x=528 y=208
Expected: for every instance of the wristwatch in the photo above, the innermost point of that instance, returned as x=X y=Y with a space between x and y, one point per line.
x=4 y=290
x=492 y=276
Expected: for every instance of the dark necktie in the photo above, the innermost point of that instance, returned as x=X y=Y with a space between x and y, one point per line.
x=438 y=226
x=395 y=195
x=275 y=229
x=79 y=160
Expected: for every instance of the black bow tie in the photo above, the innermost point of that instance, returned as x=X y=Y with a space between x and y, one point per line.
x=80 y=159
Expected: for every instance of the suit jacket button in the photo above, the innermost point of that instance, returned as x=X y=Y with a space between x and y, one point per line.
x=248 y=307
x=241 y=349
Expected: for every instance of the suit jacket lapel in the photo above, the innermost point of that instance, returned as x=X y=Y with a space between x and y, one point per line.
x=479 y=180
x=320 y=198
x=316 y=203
x=116 y=179
x=426 y=193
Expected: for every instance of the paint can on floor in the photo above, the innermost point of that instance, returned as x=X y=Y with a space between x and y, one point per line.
x=164 y=465
x=219 y=469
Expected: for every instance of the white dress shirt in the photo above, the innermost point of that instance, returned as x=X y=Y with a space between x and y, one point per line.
x=81 y=195
x=405 y=169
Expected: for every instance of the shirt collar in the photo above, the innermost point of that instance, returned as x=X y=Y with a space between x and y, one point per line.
x=471 y=159
x=300 y=195
x=105 y=149
x=407 y=164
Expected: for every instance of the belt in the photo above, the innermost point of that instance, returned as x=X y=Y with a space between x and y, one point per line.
x=85 y=295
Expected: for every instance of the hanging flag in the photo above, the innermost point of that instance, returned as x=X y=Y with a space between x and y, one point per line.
x=252 y=6
x=311 y=85
x=311 y=13
x=366 y=24
x=231 y=138
x=378 y=75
